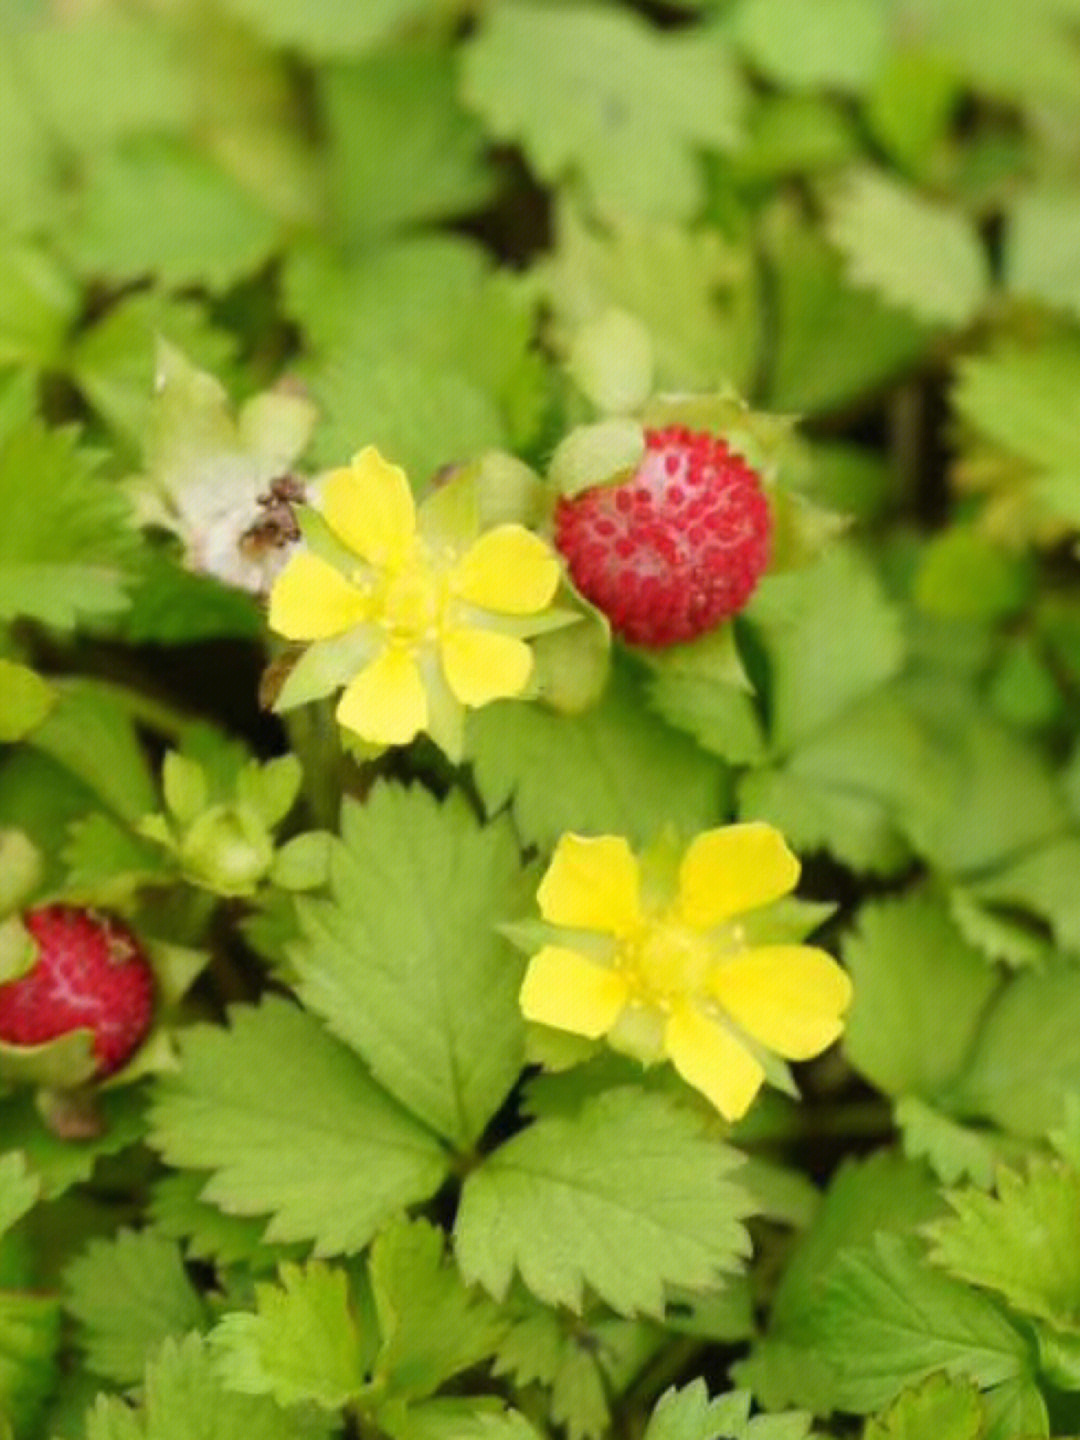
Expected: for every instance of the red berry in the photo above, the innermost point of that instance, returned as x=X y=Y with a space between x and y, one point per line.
x=669 y=553
x=91 y=973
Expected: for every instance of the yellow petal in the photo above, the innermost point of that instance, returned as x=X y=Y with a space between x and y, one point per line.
x=386 y=703
x=481 y=665
x=789 y=997
x=370 y=507
x=571 y=992
x=709 y=1058
x=592 y=883
x=508 y=570
x=313 y=601
x=737 y=868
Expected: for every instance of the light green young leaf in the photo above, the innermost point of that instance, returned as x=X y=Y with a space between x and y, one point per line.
x=1020 y=1241
x=292 y=1126
x=917 y=253
x=689 y=1414
x=184 y=1399
x=303 y=1341
x=624 y=1197
x=401 y=148
x=128 y=1294
x=921 y=993
x=334 y=27
x=826 y=44
x=622 y=105
x=405 y=964
x=69 y=554
x=695 y=292
x=19 y=1188
x=432 y=1327
x=1041 y=252
x=884 y=1320
x=614 y=769
x=25 y=700
x=831 y=636
x=941 y=1408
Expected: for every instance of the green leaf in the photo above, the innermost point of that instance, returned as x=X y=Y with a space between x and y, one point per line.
x=940 y=1408
x=302 y=1341
x=622 y=105
x=964 y=576
x=920 y=996
x=66 y=556
x=292 y=1126
x=830 y=636
x=57 y=1163
x=178 y=1211
x=90 y=732
x=722 y=718
x=694 y=291
x=335 y=27
x=454 y=1419
x=25 y=700
x=401 y=148
x=1026 y=1058
x=1039 y=884
x=615 y=769
x=918 y=253
x=184 y=1399
x=128 y=1294
x=19 y=1188
x=157 y=206
x=432 y=1327
x=39 y=300
x=689 y=1414
x=404 y=962
x=827 y=44
x=1041 y=252
x=1019 y=1241
x=624 y=1197
x=29 y=1340
x=953 y=1151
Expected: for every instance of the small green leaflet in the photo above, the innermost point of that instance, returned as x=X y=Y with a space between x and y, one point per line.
x=689 y=1414
x=128 y=1294
x=621 y=105
x=624 y=1197
x=293 y=1126
x=404 y=962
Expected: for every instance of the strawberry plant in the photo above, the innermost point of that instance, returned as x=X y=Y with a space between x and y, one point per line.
x=539 y=720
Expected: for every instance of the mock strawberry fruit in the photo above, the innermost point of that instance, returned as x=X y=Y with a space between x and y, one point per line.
x=676 y=548
x=91 y=973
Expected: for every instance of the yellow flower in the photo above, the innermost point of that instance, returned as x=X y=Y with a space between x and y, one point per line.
x=657 y=960
x=426 y=617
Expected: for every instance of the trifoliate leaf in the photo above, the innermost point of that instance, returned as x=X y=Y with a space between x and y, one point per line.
x=624 y=1197
x=828 y=44
x=129 y=1294
x=1026 y=1057
x=622 y=105
x=830 y=636
x=19 y=1188
x=292 y=1126
x=1041 y=256
x=917 y=253
x=616 y=769
x=432 y=1327
x=405 y=964
x=833 y=342
x=68 y=555
x=303 y=1340
x=695 y=292
x=154 y=205
x=184 y=1399
x=884 y=1319
x=940 y=1408
x=921 y=993
x=25 y=700
x=334 y=27
x=1020 y=1241
x=401 y=148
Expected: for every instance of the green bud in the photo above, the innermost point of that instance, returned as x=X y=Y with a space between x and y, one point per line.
x=227 y=850
x=597 y=455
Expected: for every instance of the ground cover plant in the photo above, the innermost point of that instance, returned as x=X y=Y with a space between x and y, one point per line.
x=539 y=673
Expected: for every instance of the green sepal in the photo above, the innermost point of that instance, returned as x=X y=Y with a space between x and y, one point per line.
x=712 y=656
x=63 y=1063
x=571 y=663
x=762 y=439
x=598 y=454
x=326 y=666
x=509 y=491
x=18 y=949
x=271 y=789
x=184 y=786
x=21 y=869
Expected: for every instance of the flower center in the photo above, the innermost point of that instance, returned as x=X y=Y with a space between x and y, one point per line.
x=412 y=601
x=665 y=961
